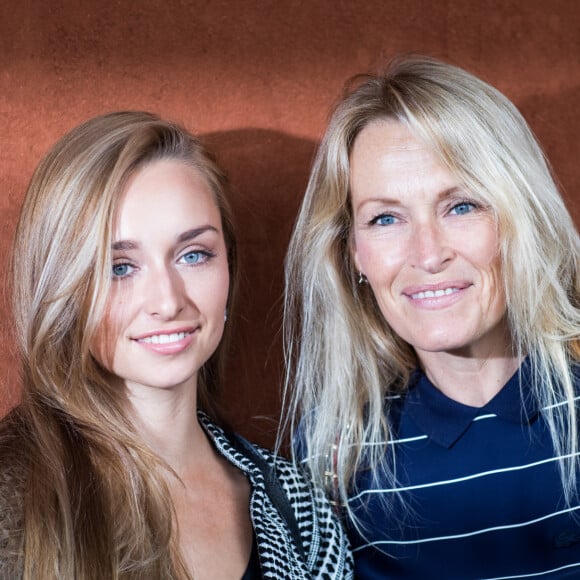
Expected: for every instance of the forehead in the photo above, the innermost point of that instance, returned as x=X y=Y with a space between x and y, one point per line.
x=165 y=194
x=387 y=139
x=387 y=153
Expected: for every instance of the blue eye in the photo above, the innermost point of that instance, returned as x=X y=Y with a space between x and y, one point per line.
x=463 y=208
x=384 y=220
x=122 y=270
x=193 y=257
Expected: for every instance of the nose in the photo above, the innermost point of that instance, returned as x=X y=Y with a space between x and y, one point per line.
x=166 y=293
x=430 y=250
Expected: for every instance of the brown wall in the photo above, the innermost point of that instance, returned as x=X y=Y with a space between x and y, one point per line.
x=257 y=78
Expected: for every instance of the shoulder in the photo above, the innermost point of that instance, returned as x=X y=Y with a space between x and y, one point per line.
x=12 y=486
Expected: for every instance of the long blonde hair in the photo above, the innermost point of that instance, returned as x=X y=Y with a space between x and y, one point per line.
x=95 y=501
x=343 y=358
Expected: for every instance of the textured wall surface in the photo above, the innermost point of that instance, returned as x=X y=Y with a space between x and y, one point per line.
x=257 y=78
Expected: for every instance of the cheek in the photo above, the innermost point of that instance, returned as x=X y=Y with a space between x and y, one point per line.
x=487 y=259
x=210 y=293
x=482 y=243
x=365 y=255
x=379 y=261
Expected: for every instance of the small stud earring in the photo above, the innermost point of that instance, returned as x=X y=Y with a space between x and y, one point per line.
x=362 y=279
x=226 y=315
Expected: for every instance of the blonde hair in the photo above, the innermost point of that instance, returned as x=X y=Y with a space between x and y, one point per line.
x=343 y=358
x=95 y=501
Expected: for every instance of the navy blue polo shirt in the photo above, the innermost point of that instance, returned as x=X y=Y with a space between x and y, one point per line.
x=480 y=490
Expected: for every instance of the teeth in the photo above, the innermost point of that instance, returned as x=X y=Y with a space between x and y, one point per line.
x=164 y=338
x=433 y=293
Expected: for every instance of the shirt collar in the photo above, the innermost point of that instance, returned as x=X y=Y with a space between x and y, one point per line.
x=445 y=420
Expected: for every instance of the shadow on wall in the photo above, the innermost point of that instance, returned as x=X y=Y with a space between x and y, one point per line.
x=268 y=171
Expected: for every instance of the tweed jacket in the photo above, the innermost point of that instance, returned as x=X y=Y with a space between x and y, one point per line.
x=325 y=553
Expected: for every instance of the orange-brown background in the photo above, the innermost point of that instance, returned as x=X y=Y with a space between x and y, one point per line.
x=257 y=79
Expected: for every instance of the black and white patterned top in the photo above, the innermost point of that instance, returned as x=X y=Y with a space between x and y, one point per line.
x=326 y=550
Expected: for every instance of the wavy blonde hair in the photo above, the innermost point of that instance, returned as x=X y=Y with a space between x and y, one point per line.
x=95 y=501
x=343 y=358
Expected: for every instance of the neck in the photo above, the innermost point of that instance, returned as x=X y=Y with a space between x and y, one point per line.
x=167 y=421
x=469 y=380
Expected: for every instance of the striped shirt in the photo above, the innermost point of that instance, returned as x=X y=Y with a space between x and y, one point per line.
x=480 y=490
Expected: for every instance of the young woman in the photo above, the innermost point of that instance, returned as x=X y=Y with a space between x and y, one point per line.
x=113 y=465
x=433 y=326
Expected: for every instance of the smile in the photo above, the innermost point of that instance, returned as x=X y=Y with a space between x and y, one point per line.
x=434 y=293
x=164 y=338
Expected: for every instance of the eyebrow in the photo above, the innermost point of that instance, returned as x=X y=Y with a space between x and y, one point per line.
x=443 y=194
x=125 y=245
x=193 y=233
x=453 y=190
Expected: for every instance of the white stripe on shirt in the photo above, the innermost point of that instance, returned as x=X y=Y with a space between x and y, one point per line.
x=468 y=534
x=465 y=478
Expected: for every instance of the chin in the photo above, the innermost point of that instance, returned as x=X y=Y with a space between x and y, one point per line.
x=161 y=383
x=426 y=338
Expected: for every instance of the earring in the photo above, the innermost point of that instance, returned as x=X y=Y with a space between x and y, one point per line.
x=226 y=315
x=362 y=279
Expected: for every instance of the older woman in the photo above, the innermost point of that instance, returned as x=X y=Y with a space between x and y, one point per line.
x=113 y=465
x=432 y=318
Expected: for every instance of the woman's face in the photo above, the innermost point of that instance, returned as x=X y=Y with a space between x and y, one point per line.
x=428 y=247
x=165 y=311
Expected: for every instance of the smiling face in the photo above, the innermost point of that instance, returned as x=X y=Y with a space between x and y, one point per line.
x=428 y=248
x=165 y=311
